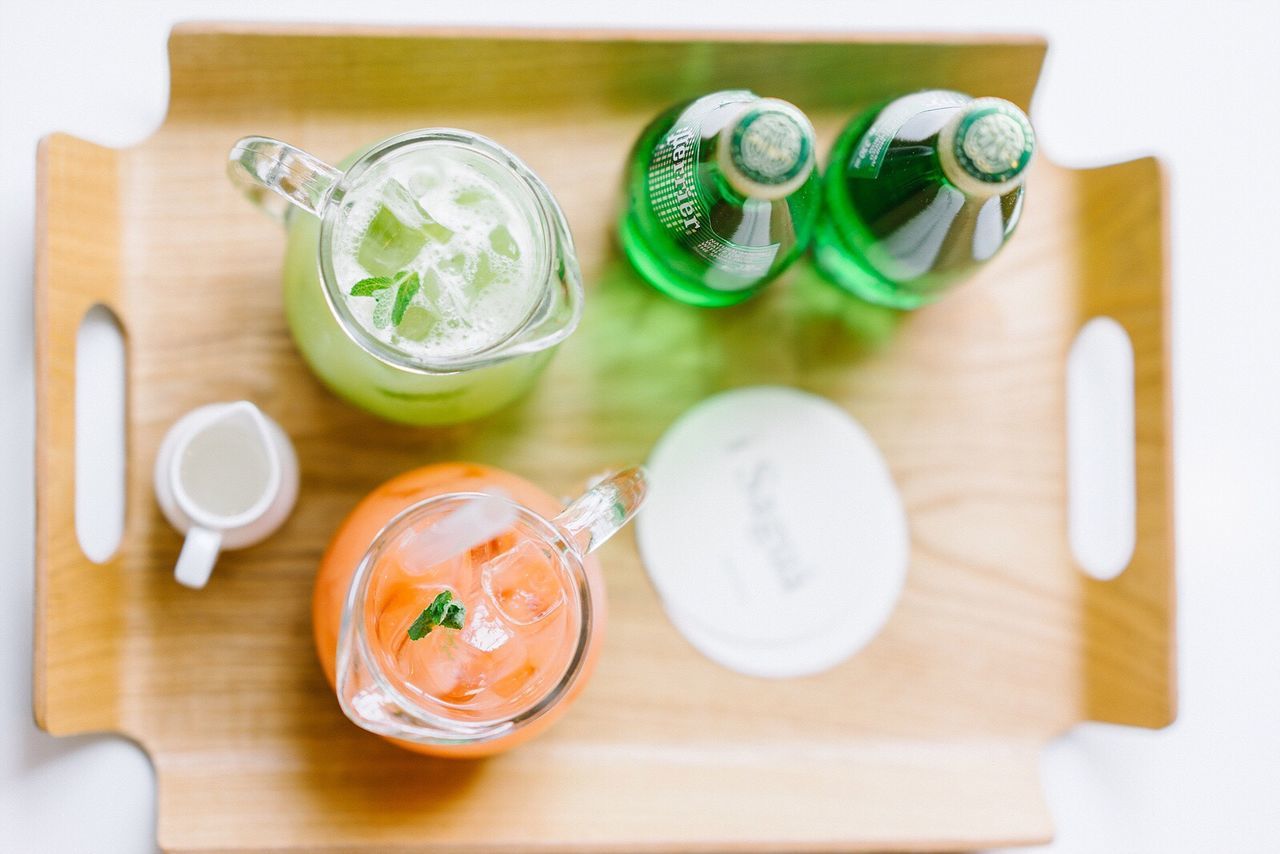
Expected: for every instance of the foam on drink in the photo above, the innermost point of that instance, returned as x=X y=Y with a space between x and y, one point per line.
x=465 y=227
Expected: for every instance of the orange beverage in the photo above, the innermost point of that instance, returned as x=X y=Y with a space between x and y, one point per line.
x=534 y=606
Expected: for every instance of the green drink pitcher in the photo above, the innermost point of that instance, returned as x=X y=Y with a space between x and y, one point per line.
x=428 y=279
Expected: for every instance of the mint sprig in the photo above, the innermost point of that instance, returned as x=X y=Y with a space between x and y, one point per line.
x=443 y=612
x=393 y=294
x=409 y=286
x=369 y=287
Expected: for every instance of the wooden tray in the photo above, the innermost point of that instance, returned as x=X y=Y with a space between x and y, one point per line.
x=928 y=739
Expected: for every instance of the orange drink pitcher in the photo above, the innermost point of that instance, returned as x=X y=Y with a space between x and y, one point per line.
x=458 y=611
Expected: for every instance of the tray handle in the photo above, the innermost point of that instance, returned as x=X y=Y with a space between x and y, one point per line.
x=79 y=625
x=1128 y=631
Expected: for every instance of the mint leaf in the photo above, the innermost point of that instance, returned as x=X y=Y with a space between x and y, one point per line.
x=369 y=287
x=421 y=627
x=392 y=296
x=409 y=286
x=382 y=309
x=439 y=606
x=442 y=612
x=453 y=619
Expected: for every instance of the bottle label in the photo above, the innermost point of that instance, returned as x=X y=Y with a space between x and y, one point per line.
x=683 y=213
x=870 y=152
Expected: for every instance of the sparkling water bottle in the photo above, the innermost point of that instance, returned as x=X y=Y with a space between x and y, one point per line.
x=921 y=191
x=722 y=196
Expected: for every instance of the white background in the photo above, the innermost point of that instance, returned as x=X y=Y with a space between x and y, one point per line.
x=1195 y=83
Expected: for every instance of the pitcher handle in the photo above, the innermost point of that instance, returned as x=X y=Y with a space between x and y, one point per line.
x=199 y=554
x=599 y=512
x=275 y=175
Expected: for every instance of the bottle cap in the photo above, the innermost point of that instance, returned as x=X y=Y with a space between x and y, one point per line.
x=986 y=148
x=768 y=151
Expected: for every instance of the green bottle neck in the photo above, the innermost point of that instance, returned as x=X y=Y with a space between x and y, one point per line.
x=986 y=148
x=767 y=152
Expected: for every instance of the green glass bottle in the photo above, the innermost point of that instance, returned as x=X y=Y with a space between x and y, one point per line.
x=722 y=197
x=921 y=191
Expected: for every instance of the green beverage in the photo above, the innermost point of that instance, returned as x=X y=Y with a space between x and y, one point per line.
x=428 y=279
x=373 y=384
x=920 y=192
x=722 y=197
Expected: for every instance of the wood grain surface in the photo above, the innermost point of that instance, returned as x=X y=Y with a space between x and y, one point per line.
x=928 y=739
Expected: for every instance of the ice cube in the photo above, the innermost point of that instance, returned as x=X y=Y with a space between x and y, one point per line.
x=485 y=274
x=442 y=293
x=398 y=231
x=483 y=630
x=517 y=681
x=437 y=231
x=388 y=245
x=425 y=179
x=402 y=204
x=417 y=324
x=453 y=670
x=453 y=537
x=463 y=663
x=429 y=577
x=503 y=243
x=471 y=196
x=470 y=276
x=455 y=265
x=524 y=583
x=459 y=673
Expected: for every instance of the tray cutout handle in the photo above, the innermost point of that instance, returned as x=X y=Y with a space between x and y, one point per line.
x=1128 y=624
x=100 y=434
x=1101 y=481
x=80 y=626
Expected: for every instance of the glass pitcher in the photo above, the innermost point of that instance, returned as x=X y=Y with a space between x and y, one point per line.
x=515 y=563
x=428 y=278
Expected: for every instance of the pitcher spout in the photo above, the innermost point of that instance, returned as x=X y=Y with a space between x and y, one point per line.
x=561 y=310
x=371 y=702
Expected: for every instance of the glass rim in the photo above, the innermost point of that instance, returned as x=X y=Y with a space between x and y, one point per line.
x=547 y=214
x=449 y=729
